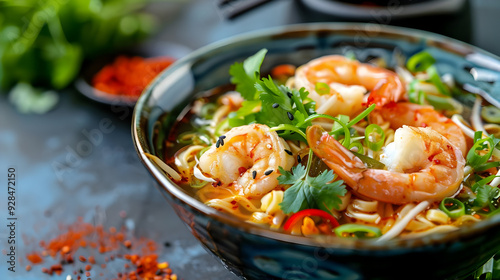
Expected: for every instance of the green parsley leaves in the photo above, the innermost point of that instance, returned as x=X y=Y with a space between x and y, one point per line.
x=310 y=192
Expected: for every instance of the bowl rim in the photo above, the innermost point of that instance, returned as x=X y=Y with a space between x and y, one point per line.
x=229 y=220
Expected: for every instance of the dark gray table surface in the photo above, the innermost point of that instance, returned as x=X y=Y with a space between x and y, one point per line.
x=56 y=184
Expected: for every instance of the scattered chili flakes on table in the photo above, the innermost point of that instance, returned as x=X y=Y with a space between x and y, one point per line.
x=111 y=245
x=129 y=76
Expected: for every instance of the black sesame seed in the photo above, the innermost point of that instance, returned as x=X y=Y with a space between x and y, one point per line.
x=166 y=244
x=159 y=272
x=299 y=159
x=221 y=141
x=254 y=174
x=290 y=116
x=288 y=152
x=289 y=94
x=276 y=105
x=223 y=136
x=268 y=172
x=217 y=144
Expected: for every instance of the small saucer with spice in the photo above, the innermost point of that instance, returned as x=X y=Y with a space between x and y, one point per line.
x=120 y=79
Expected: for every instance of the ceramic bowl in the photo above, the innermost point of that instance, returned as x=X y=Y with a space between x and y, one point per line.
x=252 y=252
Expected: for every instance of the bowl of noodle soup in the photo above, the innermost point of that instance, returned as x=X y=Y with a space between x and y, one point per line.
x=369 y=176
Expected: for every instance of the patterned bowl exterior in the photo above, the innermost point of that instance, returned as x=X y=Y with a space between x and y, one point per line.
x=252 y=252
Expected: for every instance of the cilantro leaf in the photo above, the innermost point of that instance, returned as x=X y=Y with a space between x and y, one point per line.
x=295 y=198
x=245 y=75
x=309 y=192
x=326 y=196
x=278 y=104
x=484 y=192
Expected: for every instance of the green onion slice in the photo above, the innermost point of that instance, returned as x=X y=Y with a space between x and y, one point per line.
x=453 y=207
x=475 y=159
x=436 y=80
x=358 y=145
x=491 y=114
x=378 y=134
x=208 y=110
x=440 y=102
x=322 y=88
x=357 y=231
x=420 y=62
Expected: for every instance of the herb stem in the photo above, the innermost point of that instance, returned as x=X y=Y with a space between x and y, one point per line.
x=289 y=127
x=309 y=160
x=347 y=133
x=361 y=116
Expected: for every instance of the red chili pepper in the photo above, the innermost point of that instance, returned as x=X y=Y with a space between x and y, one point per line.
x=295 y=218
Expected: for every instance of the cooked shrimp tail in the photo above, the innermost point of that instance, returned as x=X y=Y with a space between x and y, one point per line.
x=421 y=165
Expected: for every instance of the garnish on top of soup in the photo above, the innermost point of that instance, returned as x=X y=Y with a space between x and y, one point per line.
x=340 y=147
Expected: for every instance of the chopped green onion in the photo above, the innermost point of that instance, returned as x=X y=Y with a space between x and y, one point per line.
x=420 y=62
x=190 y=137
x=222 y=127
x=202 y=151
x=485 y=272
x=486 y=166
x=322 y=88
x=454 y=208
x=208 y=110
x=357 y=145
x=350 y=55
x=377 y=133
x=357 y=231
x=440 y=102
x=477 y=135
x=474 y=159
x=491 y=114
x=436 y=80
x=415 y=96
x=337 y=127
x=198 y=184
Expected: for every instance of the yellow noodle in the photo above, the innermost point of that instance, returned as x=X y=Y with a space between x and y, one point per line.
x=466 y=220
x=373 y=218
x=437 y=229
x=270 y=203
x=437 y=216
x=365 y=206
x=186 y=160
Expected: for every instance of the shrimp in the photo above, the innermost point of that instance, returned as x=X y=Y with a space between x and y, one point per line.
x=422 y=165
x=348 y=81
x=247 y=159
x=405 y=113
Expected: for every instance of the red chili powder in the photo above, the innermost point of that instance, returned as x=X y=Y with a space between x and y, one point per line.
x=129 y=76
x=142 y=261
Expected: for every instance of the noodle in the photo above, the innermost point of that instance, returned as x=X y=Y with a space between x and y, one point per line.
x=260 y=150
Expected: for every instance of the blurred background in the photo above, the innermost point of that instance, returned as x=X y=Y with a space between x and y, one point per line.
x=61 y=81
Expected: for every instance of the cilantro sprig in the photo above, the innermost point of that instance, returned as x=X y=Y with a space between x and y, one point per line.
x=289 y=112
x=308 y=192
x=266 y=102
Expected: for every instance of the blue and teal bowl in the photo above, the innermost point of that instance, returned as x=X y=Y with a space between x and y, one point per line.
x=253 y=252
